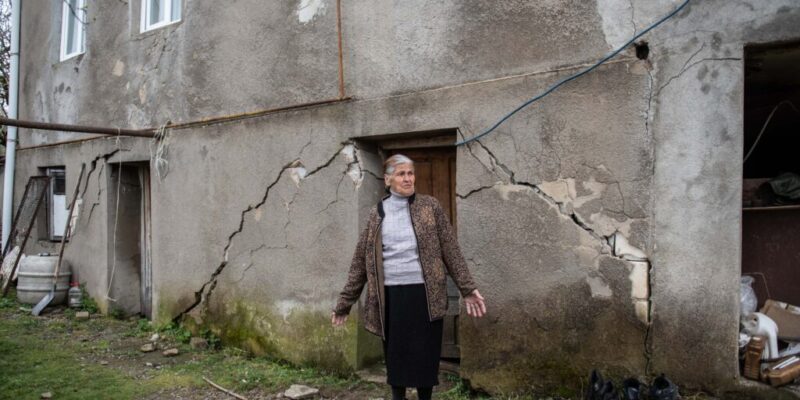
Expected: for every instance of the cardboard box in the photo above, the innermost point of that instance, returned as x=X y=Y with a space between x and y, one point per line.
x=788 y=322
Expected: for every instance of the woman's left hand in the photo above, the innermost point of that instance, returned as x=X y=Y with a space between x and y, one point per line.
x=475 y=305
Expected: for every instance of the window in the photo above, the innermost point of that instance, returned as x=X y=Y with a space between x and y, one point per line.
x=56 y=204
x=73 y=28
x=158 y=13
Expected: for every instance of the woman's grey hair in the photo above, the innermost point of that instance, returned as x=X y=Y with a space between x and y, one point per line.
x=393 y=161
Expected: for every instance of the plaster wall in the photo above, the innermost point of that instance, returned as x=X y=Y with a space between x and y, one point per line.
x=602 y=224
x=698 y=131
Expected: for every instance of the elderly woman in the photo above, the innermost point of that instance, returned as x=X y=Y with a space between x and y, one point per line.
x=403 y=256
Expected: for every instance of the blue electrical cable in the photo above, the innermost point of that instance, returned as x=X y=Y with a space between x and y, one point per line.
x=577 y=75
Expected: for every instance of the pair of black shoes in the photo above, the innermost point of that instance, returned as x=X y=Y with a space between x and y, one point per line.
x=660 y=389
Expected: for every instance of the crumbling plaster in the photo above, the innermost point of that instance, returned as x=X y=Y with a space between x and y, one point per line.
x=601 y=223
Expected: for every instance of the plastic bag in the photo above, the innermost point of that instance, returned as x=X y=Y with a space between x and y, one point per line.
x=748 y=298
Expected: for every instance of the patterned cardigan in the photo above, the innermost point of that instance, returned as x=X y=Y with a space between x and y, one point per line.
x=439 y=255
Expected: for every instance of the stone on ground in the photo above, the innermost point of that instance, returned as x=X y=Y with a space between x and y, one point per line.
x=198 y=343
x=170 y=352
x=82 y=315
x=372 y=375
x=296 y=392
x=148 y=347
x=46 y=395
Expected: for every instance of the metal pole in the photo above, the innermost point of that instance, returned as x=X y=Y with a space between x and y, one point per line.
x=149 y=133
x=11 y=137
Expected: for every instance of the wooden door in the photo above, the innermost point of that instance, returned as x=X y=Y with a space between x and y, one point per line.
x=435 y=170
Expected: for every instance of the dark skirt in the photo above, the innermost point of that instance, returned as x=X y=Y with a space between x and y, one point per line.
x=413 y=344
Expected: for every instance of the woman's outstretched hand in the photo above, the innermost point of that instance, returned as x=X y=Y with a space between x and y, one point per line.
x=338 y=320
x=475 y=305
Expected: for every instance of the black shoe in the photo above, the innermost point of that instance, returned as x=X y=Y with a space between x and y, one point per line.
x=609 y=392
x=600 y=389
x=631 y=389
x=596 y=384
x=663 y=389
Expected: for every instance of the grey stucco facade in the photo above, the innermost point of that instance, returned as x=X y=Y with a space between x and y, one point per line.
x=602 y=224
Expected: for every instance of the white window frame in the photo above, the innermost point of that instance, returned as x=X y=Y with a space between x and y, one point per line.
x=57 y=209
x=79 y=19
x=169 y=19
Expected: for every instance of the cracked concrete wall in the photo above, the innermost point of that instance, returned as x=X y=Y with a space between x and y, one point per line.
x=601 y=223
x=87 y=251
x=698 y=92
x=557 y=186
x=177 y=73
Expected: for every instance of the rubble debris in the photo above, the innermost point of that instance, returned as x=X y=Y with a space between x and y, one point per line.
x=784 y=372
x=198 y=343
x=297 y=392
x=762 y=325
x=170 y=352
x=788 y=322
x=752 y=358
x=372 y=376
x=230 y=392
x=148 y=348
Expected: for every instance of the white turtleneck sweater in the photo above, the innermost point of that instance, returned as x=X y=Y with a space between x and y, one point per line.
x=400 y=257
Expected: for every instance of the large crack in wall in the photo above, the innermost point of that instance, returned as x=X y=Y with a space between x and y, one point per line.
x=82 y=193
x=615 y=244
x=297 y=172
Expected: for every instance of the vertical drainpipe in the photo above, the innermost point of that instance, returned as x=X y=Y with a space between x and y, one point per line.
x=11 y=138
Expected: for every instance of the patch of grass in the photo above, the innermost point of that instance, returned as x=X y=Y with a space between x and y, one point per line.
x=144 y=326
x=61 y=355
x=117 y=313
x=213 y=340
x=176 y=331
x=87 y=302
x=460 y=391
x=6 y=302
x=234 y=369
x=32 y=365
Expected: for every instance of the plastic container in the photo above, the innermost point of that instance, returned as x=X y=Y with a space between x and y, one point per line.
x=752 y=357
x=747 y=296
x=785 y=372
x=75 y=295
x=35 y=279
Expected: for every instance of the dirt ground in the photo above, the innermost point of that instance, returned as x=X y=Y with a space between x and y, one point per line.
x=101 y=357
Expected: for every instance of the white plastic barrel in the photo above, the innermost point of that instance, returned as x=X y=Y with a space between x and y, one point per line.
x=35 y=279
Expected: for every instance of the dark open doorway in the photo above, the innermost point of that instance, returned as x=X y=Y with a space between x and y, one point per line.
x=770 y=216
x=130 y=270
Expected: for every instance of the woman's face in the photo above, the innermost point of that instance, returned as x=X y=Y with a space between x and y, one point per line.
x=401 y=181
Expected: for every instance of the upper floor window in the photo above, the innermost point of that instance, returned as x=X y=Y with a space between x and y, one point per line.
x=73 y=28
x=158 y=13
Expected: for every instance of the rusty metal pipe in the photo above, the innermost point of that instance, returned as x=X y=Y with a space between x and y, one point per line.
x=252 y=114
x=48 y=126
x=339 y=34
x=151 y=132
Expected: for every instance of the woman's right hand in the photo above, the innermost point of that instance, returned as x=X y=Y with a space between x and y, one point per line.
x=338 y=320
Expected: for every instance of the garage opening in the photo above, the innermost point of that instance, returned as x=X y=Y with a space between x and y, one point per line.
x=771 y=186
